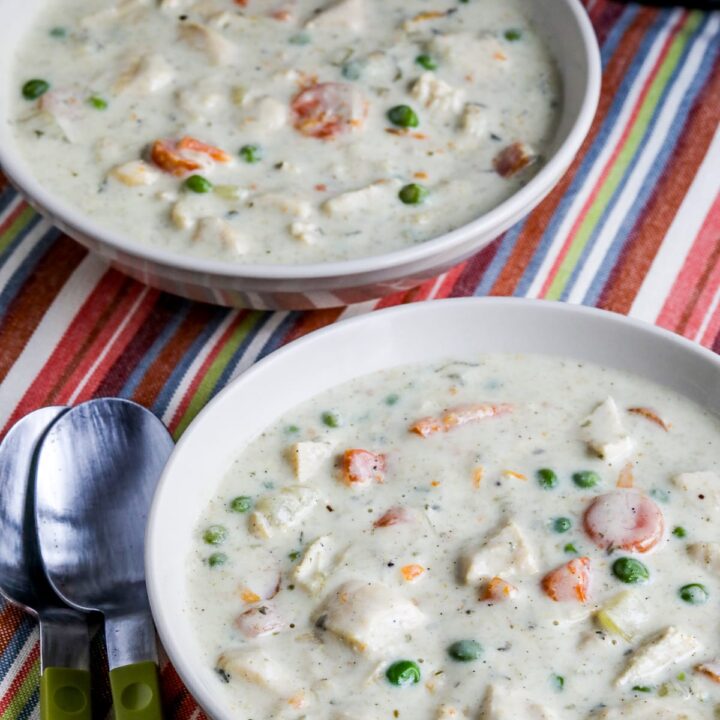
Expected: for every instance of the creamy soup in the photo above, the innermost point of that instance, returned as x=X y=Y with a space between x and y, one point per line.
x=284 y=131
x=516 y=537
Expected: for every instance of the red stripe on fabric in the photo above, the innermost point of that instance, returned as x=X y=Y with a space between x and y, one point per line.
x=35 y=297
x=203 y=369
x=10 y=619
x=532 y=233
x=450 y=280
x=312 y=320
x=474 y=269
x=12 y=217
x=651 y=227
x=685 y=285
x=609 y=165
x=20 y=678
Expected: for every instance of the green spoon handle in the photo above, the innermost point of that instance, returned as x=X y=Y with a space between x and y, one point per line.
x=64 y=694
x=136 y=692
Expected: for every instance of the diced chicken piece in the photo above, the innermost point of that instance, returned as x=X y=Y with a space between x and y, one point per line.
x=505 y=553
x=473 y=121
x=503 y=703
x=213 y=232
x=282 y=510
x=136 y=172
x=146 y=75
x=369 y=616
x=670 y=647
x=449 y=712
x=258 y=669
x=468 y=53
x=308 y=457
x=217 y=48
x=624 y=614
x=710 y=669
x=604 y=433
x=192 y=207
x=362 y=468
x=286 y=204
x=65 y=106
x=569 y=582
x=706 y=554
x=340 y=15
x=458 y=416
x=358 y=201
x=318 y=561
x=304 y=232
x=498 y=590
x=394 y=516
x=436 y=94
x=703 y=488
x=260 y=621
x=624 y=519
x=265 y=113
x=200 y=101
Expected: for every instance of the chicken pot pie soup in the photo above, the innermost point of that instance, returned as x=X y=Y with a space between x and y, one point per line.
x=515 y=537
x=284 y=131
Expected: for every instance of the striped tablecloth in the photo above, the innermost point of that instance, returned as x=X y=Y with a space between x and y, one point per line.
x=633 y=227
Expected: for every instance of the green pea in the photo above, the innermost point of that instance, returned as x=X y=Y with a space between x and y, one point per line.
x=413 y=194
x=58 y=32
x=570 y=548
x=33 y=89
x=97 y=102
x=217 y=559
x=558 y=682
x=241 y=504
x=465 y=650
x=251 y=153
x=198 y=184
x=392 y=399
x=403 y=672
x=679 y=532
x=513 y=34
x=426 y=61
x=332 y=419
x=630 y=570
x=547 y=478
x=403 y=116
x=215 y=535
x=562 y=524
x=586 y=478
x=694 y=594
x=299 y=39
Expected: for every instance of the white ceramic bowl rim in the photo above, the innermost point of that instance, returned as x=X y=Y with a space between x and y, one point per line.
x=639 y=344
x=20 y=174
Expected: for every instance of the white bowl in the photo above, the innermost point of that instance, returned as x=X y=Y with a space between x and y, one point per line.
x=420 y=333
x=566 y=28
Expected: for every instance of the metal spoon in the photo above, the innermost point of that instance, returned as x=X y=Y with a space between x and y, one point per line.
x=64 y=636
x=97 y=471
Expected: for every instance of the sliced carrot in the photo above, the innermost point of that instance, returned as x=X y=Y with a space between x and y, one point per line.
x=164 y=154
x=497 y=590
x=650 y=415
x=325 y=110
x=626 y=479
x=478 y=473
x=194 y=145
x=457 y=416
x=363 y=467
x=412 y=572
x=394 y=516
x=512 y=159
x=568 y=582
x=249 y=596
x=514 y=475
x=624 y=519
x=436 y=483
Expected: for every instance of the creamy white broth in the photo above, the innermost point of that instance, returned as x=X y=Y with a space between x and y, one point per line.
x=540 y=658
x=124 y=75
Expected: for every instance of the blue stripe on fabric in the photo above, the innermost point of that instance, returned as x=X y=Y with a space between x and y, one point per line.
x=613 y=38
x=276 y=339
x=6 y=197
x=499 y=261
x=173 y=382
x=659 y=165
x=591 y=157
x=27 y=266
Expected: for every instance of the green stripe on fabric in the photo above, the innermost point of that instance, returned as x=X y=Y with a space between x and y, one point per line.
x=24 y=693
x=625 y=156
x=208 y=383
x=17 y=226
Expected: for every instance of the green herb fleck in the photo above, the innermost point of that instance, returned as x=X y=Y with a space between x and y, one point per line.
x=392 y=399
x=426 y=61
x=300 y=39
x=558 y=682
x=294 y=555
x=332 y=419
x=251 y=153
x=513 y=34
x=679 y=532
x=642 y=688
x=570 y=548
x=352 y=70
x=97 y=102
x=58 y=32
